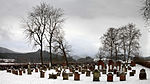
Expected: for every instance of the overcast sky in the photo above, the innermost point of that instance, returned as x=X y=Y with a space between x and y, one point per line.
x=86 y=21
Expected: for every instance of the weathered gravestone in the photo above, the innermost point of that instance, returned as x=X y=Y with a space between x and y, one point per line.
x=132 y=64
x=129 y=68
x=100 y=65
x=118 y=65
x=36 y=69
x=142 y=75
x=123 y=76
x=52 y=76
x=110 y=77
x=110 y=65
x=131 y=73
x=29 y=69
x=42 y=74
x=65 y=75
x=118 y=73
x=20 y=72
x=134 y=71
x=96 y=75
x=115 y=71
x=88 y=72
x=124 y=69
x=76 y=76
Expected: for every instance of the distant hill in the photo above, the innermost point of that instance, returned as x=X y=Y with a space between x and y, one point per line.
x=76 y=57
x=5 y=50
x=33 y=57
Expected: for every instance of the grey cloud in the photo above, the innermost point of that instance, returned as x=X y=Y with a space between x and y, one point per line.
x=4 y=34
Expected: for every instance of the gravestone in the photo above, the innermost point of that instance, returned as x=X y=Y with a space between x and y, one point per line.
x=129 y=68
x=29 y=69
x=118 y=65
x=76 y=76
x=110 y=66
x=100 y=65
x=132 y=64
x=131 y=73
x=36 y=69
x=88 y=73
x=123 y=76
x=42 y=74
x=142 y=75
x=96 y=75
x=20 y=72
x=110 y=77
x=52 y=76
x=65 y=75
x=118 y=73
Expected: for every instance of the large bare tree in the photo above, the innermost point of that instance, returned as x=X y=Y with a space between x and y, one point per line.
x=55 y=20
x=133 y=35
x=109 y=41
x=36 y=24
x=123 y=40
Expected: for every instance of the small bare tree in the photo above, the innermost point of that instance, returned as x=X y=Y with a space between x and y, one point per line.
x=101 y=53
x=61 y=46
x=36 y=24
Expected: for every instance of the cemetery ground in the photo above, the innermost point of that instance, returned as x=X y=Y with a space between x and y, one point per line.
x=9 y=78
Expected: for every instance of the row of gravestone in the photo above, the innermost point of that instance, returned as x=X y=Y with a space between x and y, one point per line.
x=96 y=73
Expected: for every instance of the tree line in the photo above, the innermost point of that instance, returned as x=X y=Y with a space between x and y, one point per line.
x=120 y=42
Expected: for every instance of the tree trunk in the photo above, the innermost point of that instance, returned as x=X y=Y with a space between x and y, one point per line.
x=65 y=56
x=129 y=52
x=41 y=53
x=116 y=53
x=124 y=50
x=50 y=51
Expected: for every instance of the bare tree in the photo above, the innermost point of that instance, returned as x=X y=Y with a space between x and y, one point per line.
x=133 y=35
x=55 y=20
x=101 y=53
x=36 y=25
x=109 y=41
x=61 y=46
x=146 y=10
x=123 y=40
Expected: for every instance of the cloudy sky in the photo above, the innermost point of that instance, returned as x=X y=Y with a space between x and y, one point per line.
x=86 y=21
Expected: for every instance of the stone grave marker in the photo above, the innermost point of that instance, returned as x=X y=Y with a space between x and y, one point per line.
x=123 y=76
x=76 y=76
x=96 y=74
x=42 y=74
x=110 y=77
x=142 y=75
